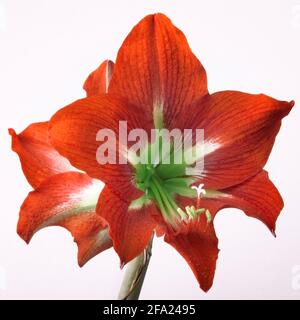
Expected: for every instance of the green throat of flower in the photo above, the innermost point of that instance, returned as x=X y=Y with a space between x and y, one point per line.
x=163 y=182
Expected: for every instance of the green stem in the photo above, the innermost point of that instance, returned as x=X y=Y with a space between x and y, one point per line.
x=135 y=274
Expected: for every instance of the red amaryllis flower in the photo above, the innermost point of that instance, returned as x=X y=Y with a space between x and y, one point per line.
x=157 y=82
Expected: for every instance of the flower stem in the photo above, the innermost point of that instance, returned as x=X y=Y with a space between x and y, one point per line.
x=135 y=274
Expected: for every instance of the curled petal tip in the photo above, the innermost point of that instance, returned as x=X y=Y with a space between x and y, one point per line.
x=81 y=263
x=12 y=132
x=204 y=288
x=24 y=238
x=292 y=103
x=273 y=233
x=22 y=230
x=80 y=259
x=205 y=285
x=122 y=264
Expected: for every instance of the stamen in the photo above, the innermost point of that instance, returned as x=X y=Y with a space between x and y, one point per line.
x=191 y=213
x=208 y=216
x=181 y=213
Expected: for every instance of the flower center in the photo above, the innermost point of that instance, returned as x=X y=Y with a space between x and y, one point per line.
x=163 y=182
x=159 y=185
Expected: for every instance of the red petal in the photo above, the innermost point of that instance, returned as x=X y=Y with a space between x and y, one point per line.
x=73 y=132
x=38 y=158
x=130 y=230
x=90 y=233
x=244 y=127
x=155 y=67
x=257 y=197
x=67 y=200
x=98 y=81
x=198 y=244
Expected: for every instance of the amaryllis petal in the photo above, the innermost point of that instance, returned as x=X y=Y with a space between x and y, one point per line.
x=90 y=233
x=241 y=129
x=196 y=240
x=38 y=158
x=68 y=200
x=130 y=229
x=257 y=197
x=98 y=81
x=198 y=245
x=156 y=69
x=74 y=131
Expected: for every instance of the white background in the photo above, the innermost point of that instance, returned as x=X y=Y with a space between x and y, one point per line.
x=47 y=48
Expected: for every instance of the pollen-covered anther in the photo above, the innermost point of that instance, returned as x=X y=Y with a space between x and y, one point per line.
x=191 y=213
x=208 y=216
